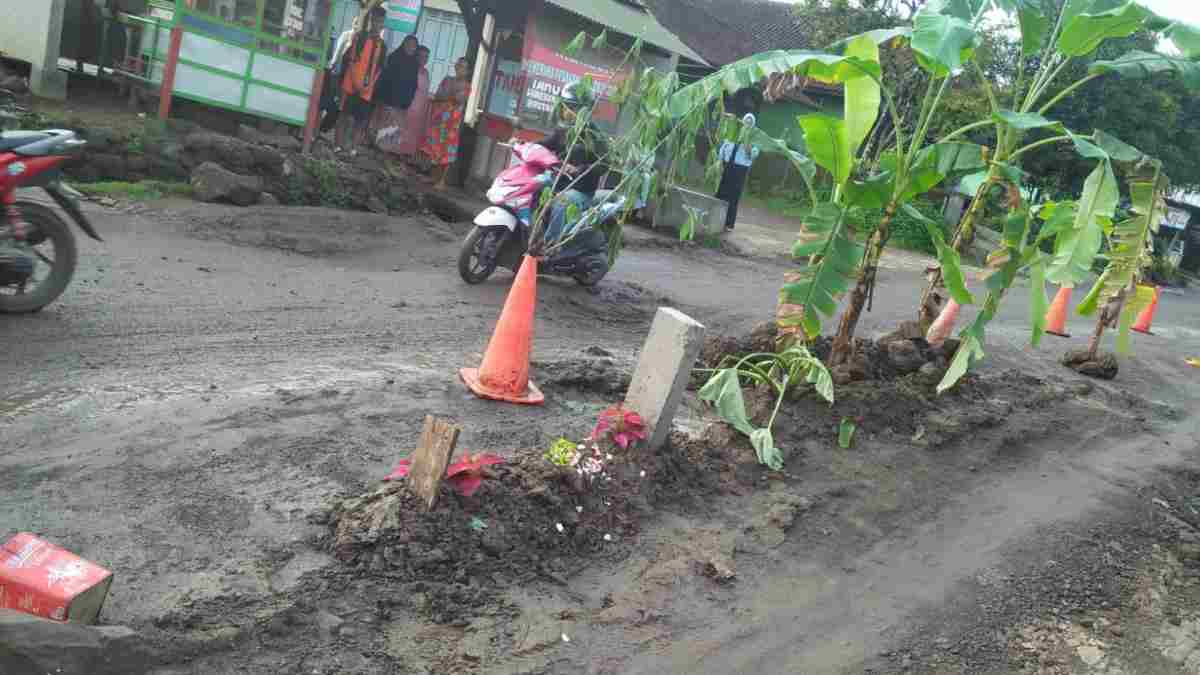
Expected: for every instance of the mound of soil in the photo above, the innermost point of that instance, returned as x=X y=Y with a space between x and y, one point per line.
x=312 y=231
x=596 y=370
x=1103 y=367
x=530 y=520
x=902 y=352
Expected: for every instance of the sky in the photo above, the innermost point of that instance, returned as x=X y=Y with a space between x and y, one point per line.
x=1179 y=10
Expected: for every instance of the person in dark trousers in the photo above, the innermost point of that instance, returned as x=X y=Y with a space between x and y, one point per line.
x=737 y=158
x=363 y=63
x=582 y=168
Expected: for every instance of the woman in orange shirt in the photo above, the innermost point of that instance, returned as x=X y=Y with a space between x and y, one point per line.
x=362 y=63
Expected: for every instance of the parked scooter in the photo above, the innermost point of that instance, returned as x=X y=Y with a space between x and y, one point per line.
x=37 y=250
x=501 y=235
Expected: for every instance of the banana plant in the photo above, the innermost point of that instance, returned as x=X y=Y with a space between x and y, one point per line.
x=831 y=236
x=1118 y=294
x=782 y=372
x=1053 y=35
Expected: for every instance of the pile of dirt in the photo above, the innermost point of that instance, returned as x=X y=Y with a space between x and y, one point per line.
x=1102 y=366
x=902 y=352
x=529 y=521
x=596 y=370
x=312 y=231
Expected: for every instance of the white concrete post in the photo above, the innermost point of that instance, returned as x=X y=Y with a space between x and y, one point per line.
x=663 y=370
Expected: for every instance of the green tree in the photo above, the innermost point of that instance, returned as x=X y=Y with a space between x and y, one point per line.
x=1158 y=116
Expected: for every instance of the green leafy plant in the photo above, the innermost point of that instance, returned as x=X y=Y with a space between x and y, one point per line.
x=562 y=453
x=781 y=372
x=1071 y=233
x=842 y=243
x=324 y=177
x=1118 y=295
x=136 y=191
x=585 y=460
x=846 y=433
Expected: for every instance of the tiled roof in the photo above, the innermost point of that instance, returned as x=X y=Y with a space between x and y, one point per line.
x=723 y=31
x=630 y=19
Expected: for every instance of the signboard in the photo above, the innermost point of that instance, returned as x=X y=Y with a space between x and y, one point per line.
x=403 y=16
x=293 y=19
x=547 y=70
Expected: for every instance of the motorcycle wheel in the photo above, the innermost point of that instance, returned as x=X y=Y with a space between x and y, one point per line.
x=472 y=265
x=55 y=249
x=592 y=273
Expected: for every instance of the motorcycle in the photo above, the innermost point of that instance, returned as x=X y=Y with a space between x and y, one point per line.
x=38 y=253
x=501 y=235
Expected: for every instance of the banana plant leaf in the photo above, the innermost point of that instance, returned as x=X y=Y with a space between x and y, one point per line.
x=1186 y=39
x=1083 y=32
x=1027 y=121
x=863 y=95
x=1139 y=65
x=828 y=141
x=829 y=68
x=948 y=258
x=942 y=42
x=1034 y=19
x=818 y=287
x=1076 y=248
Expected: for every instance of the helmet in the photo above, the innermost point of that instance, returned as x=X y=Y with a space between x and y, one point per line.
x=576 y=96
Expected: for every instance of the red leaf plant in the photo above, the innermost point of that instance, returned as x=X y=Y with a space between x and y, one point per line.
x=464 y=476
x=623 y=427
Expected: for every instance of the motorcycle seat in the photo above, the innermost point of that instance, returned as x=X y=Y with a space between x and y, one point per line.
x=39 y=143
x=11 y=140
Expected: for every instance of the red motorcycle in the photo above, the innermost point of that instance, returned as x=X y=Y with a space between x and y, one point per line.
x=37 y=250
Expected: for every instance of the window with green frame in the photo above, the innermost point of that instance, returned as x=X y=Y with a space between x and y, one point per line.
x=293 y=29
x=254 y=56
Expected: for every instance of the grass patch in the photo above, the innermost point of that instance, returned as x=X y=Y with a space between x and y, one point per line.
x=786 y=205
x=146 y=190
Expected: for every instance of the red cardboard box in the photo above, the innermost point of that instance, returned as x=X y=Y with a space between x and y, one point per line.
x=39 y=578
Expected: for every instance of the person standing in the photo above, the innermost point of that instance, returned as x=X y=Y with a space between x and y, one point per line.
x=417 y=119
x=737 y=158
x=330 y=92
x=449 y=107
x=397 y=88
x=363 y=63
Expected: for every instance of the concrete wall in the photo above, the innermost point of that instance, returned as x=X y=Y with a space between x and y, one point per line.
x=32 y=31
x=671 y=212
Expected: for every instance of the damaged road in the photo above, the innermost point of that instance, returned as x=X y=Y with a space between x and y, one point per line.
x=216 y=379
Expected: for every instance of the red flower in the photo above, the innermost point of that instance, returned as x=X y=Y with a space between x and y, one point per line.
x=465 y=476
x=400 y=471
x=623 y=427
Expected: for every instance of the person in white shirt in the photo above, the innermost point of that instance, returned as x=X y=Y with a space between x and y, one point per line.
x=737 y=158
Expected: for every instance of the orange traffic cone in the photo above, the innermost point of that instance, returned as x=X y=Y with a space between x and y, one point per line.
x=504 y=374
x=943 y=326
x=1147 y=316
x=1056 y=318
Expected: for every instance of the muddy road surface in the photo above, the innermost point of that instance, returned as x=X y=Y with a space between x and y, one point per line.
x=217 y=378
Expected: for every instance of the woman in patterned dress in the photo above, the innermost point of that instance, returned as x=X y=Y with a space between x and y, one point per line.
x=449 y=105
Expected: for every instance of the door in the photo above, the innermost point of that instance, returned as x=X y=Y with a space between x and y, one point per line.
x=446 y=36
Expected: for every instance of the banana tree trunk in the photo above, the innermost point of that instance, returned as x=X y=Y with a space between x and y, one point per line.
x=928 y=310
x=843 y=341
x=1109 y=316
